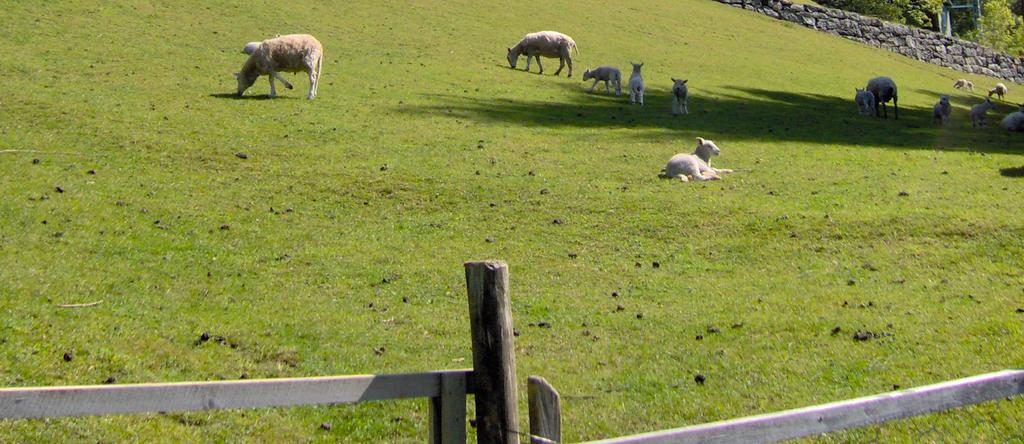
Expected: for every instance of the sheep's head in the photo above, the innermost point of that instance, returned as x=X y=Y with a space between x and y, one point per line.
x=245 y=80
x=944 y=101
x=678 y=84
x=513 y=57
x=706 y=148
x=637 y=66
x=587 y=75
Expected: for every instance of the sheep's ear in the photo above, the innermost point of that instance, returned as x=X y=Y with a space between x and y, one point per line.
x=700 y=141
x=510 y=50
x=236 y=75
x=674 y=80
x=685 y=80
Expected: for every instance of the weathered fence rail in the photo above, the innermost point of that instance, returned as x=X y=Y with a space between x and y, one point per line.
x=842 y=415
x=51 y=402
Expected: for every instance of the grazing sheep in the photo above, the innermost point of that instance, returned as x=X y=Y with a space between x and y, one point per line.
x=606 y=74
x=998 y=90
x=1014 y=121
x=978 y=113
x=636 y=84
x=251 y=47
x=696 y=166
x=865 y=101
x=964 y=83
x=680 y=94
x=288 y=53
x=884 y=89
x=941 y=110
x=545 y=43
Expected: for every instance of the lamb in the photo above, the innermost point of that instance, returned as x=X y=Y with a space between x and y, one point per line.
x=1014 y=121
x=636 y=84
x=998 y=90
x=963 y=83
x=978 y=113
x=865 y=101
x=680 y=94
x=696 y=166
x=545 y=43
x=941 y=110
x=884 y=89
x=607 y=74
x=288 y=53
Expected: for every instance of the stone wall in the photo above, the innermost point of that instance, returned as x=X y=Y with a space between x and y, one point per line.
x=920 y=44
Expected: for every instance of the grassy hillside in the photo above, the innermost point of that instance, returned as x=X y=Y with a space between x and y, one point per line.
x=336 y=246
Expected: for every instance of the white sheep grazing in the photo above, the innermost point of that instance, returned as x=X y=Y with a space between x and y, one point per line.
x=696 y=166
x=884 y=89
x=978 y=113
x=606 y=74
x=680 y=96
x=964 y=83
x=549 y=44
x=288 y=53
x=636 y=84
x=1014 y=121
x=998 y=90
x=865 y=101
x=941 y=110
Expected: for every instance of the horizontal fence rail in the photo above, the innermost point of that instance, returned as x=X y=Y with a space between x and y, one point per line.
x=50 y=402
x=842 y=415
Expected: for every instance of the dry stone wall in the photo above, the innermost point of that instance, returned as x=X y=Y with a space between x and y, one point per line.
x=920 y=44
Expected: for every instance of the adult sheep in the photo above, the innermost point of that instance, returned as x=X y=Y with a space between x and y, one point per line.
x=549 y=44
x=287 y=53
x=1014 y=121
x=884 y=90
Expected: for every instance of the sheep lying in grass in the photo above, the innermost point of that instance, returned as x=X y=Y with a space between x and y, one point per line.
x=680 y=96
x=288 y=53
x=636 y=84
x=999 y=90
x=941 y=110
x=545 y=43
x=884 y=89
x=1014 y=121
x=964 y=83
x=865 y=101
x=696 y=166
x=978 y=113
x=606 y=74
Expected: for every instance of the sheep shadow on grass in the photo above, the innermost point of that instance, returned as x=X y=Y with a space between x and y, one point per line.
x=235 y=96
x=1012 y=172
x=735 y=114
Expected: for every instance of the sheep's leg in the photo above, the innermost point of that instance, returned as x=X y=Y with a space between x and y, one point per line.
x=529 y=60
x=541 y=67
x=561 y=64
x=277 y=76
x=683 y=178
x=675 y=105
x=568 y=60
x=721 y=171
x=313 y=80
x=606 y=89
x=686 y=109
x=896 y=107
x=618 y=87
x=632 y=96
x=593 y=86
x=641 y=96
x=273 y=90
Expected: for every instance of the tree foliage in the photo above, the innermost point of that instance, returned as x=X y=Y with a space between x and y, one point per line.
x=1000 y=29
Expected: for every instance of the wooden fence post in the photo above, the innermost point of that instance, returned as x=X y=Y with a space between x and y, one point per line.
x=448 y=411
x=494 y=363
x=545 y=411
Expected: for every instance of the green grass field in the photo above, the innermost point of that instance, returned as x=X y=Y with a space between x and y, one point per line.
x=337 y=246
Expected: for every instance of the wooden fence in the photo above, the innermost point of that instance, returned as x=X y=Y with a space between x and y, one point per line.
x=492 y=381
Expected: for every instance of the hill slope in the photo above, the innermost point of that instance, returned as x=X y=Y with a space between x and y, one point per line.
x=344 y=230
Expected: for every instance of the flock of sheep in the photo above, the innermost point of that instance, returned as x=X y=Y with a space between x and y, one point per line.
x=882 y=89
x=304 y=53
